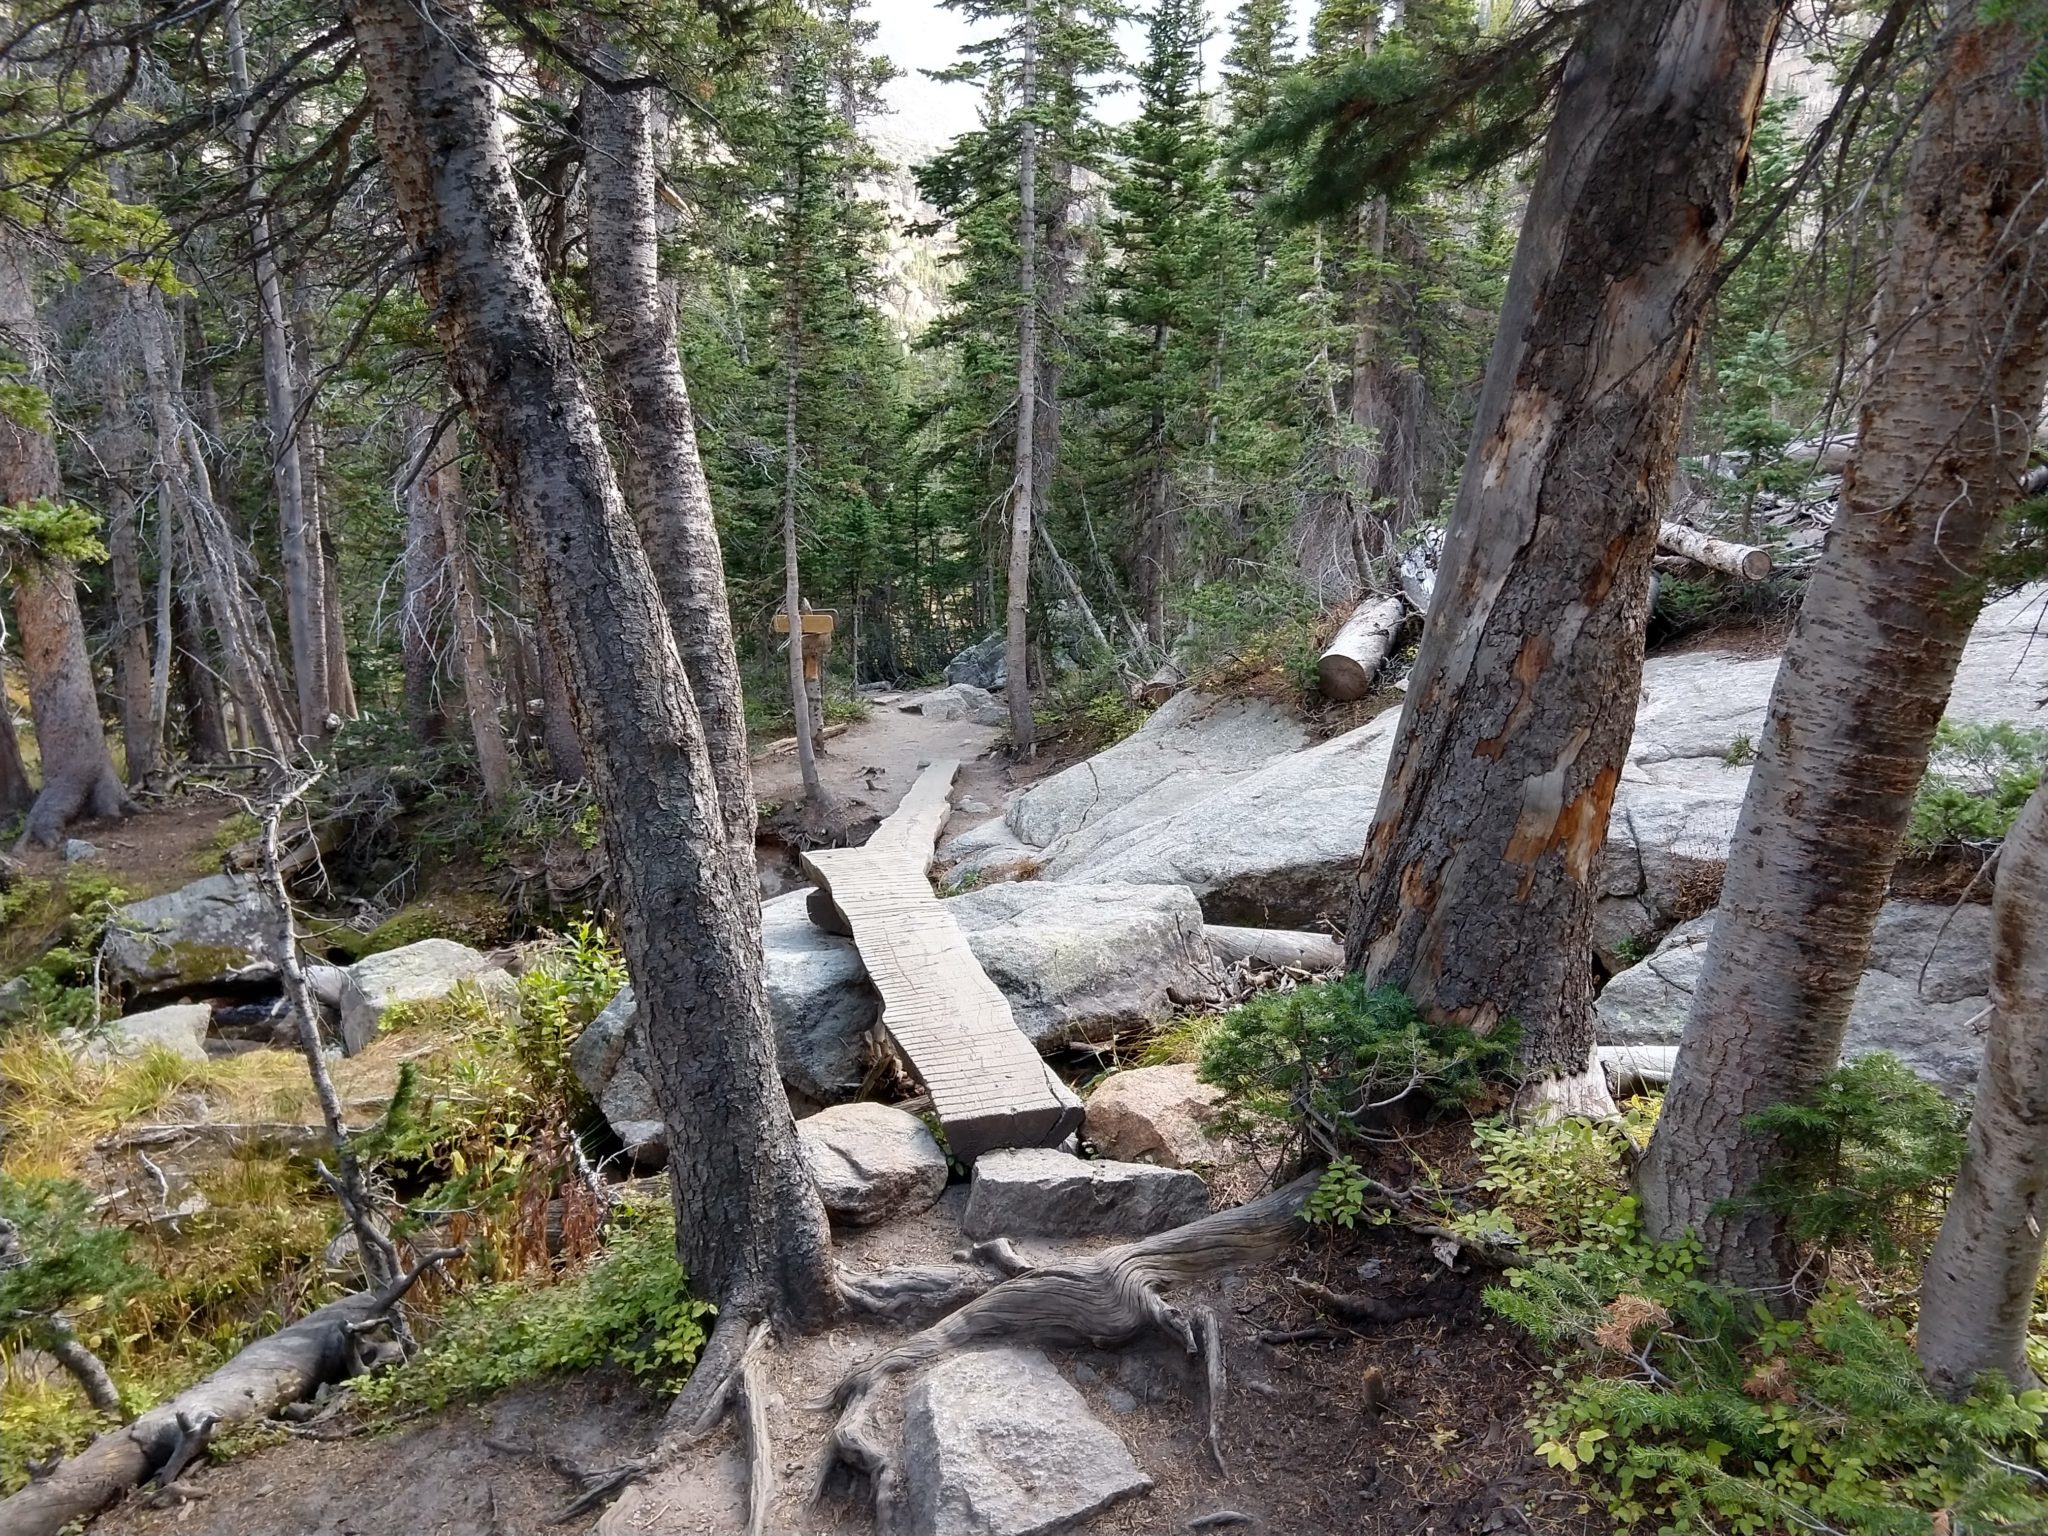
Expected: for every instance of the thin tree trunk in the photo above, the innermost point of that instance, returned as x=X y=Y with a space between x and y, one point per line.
x=1977 y=1295
x=1953 y=389
x=442 y=487
x=341 y=683
x=664 y=476
x=298 y=530
x=1477 y=889
x=794 y=214
x=132 y=675
x=750 y=1227
x=206 y=722
x=557 y=720
x=16 y=793
x=1024 y=488
x=425 y=594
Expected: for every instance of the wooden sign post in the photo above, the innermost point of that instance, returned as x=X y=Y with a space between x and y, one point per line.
x=817 y=643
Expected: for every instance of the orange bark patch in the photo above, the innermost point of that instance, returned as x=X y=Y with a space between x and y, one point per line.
x=1601 y=582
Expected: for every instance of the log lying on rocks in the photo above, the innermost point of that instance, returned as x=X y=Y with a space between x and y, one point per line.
x=1744 y=560
x=1360 y=649
x=1274 y=949
x=286 y=1367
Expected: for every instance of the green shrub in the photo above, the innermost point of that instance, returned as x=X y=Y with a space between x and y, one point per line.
x=1685 y=1407
x=68 y=1262
x=1978 y=778
x=1328 y=1057
x=631 y=1307
x=1865 y=1158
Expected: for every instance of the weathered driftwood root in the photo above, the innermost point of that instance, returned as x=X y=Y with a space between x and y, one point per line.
x=753 y=1392
x=282 y=1368
x=1107 y=1299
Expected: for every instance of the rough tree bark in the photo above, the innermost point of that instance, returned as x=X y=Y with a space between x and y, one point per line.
x=557 y=720
x=1954 y=383
x=298 y=531
x=750 y=1227
x=1977 y=1295
x=664 y=476
x=1024 y=487
x=420 y=605
x=1476 y=887
x=16 y=793
x=78 y=773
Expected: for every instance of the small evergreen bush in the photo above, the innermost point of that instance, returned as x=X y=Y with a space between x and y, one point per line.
x=1978 y=777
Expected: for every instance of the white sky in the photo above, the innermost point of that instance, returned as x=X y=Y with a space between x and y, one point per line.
x=918 y=35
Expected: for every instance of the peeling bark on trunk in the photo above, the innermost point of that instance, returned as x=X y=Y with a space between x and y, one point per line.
x=1954 y=385
x=1024 y=488
x=664 y=476
x=750 y=1227
x=1977 y=1296
x=298 y=530
x=1476 y=887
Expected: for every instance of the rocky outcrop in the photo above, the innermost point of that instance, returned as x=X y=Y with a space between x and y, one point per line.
x=210 y=931
x=1154 y=1115
x=981 y=665
x=1934 y=1023
x=819 y=998
x=1040 y=1192
x=415 y=973
x=997 y=1443
x=1221 y=797
x=180 y=1029
x=871 y=1162
x=960 y=701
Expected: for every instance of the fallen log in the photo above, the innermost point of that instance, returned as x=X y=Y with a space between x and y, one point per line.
x=1274 y=949
x=1163 y=684
x=285 y=1367
x=1354 y=658
x=1416 y=571
x=1744 y=560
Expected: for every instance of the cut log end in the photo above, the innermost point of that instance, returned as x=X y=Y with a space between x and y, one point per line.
x=1359 y=650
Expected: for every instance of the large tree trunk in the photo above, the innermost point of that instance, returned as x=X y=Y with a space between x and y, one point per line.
x=78 y=773
x=298 y=528
x=664 y=477
x=1024 y=487
x=750 y=1227
x=1977 y=1296
x=1957 y=376
x=1476 y=893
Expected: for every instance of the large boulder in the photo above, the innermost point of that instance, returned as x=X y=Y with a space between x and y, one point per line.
x=871 y=1162
x=180 y=1029
x=210 y=931
x=1078 y=960
x=1042 y=1192
x=1269 y=833
x=960 y=701
x=819 y=998
x=997 y=1443
x=980 y=665
x=610 y=1060
x=1154 y=1115
x=1935 y=1025
x=415 y=973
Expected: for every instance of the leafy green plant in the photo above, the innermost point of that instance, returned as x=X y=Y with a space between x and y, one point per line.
x=1741 y=751
x=1866 y=1156
x=1329 y=1057
x=1978 y=778
x=631 y=1307
x=1338 y=1199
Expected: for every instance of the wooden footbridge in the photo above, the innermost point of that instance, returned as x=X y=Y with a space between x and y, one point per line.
x=987 y=1083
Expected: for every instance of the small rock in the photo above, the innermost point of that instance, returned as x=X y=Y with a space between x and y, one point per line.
x=179 y=1029
x=998 y=1443
x=872 y=1162
x=1154 y=1115
x=414 y=973
x=1039 y=1192
x=77 y=850
x=972 y=807
x=961 y=701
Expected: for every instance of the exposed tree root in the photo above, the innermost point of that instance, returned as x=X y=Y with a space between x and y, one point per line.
x=760 y=1449
x=1211 y=1334
x=1108 y=1299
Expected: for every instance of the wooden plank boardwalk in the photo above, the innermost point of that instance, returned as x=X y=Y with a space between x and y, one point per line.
x=988 y=1086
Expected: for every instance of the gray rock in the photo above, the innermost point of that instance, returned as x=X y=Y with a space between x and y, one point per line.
x=1078 y=960
x=1040 y=1192
x=998 y=1443
x=981 y=664
x=412 y=973
x=77 y=850
x=1936 y=1027
x=819 y=998
x=960 y=701
x=610 y=1060
x=179 y=1029
x=871 y=1162
x=202 y=933
x=15 y=996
